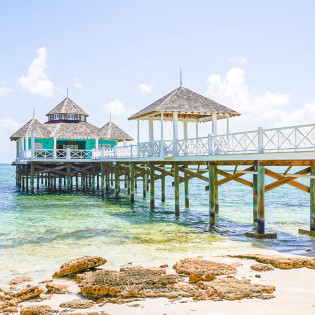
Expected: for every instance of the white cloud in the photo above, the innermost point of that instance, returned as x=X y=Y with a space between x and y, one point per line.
x=36 y=80
x=116 y=107
x=8 y=126
x=77 y=83
x=268 y=110
x=241 y=60
x=4 y=88
x=145 y=88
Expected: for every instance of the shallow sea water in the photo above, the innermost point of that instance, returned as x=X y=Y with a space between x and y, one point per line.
x=40 y=232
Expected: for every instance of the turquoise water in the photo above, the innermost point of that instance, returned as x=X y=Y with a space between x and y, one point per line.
x=39 y=232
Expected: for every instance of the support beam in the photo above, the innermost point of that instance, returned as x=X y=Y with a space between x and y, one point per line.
x=212 y=194
x=116 y=181
x=176 y=184
x=312 y=200
x=186 y=189
x=216 y=191
x=32 y=177
x=144 y=185
x=152 y=181
x=255 y=193
x=261 y=199
x=151 y=131
x=102 y=179
x=132 y=182
x=163 y=189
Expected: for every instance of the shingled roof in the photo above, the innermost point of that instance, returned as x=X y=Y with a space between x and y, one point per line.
x=67 y=106
x=33 y=125
x=111 y=131
x=187 y=103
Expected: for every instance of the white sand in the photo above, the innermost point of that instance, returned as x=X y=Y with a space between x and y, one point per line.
x=295 y=294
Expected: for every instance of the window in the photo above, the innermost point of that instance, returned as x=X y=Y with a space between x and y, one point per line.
x=56 y=117
x=62 y=116
x=104 y=145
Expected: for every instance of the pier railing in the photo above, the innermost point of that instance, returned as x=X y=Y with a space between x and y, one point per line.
x=287 y=139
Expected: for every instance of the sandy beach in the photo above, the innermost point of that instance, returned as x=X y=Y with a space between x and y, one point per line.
x=294 y=294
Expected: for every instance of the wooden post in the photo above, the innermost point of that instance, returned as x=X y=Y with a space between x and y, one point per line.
x=107 y=182
x=26 y=173
x=186 y=189
x=102 y=180
x=261 y=200
x=93 y=180
x=59 y=182
x=176 y=184
x=152 y=179
x=22 y=183
x=55 y=183
x=216 y=191
x=116 y=182
x=136 y=185
x=97 y=181
x=132 y=182
x=32 y=178
x=255 y=193
x=128 y=183
x=37 y=182
x=163 y=189
x=312 y=199
x=144 y=185
x=111 y=179
x=83 y=180
x=68 y=179
x=212 y=194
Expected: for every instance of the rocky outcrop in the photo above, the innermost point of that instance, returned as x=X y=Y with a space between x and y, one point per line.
x=37 y=310
x=28 y=293
x=19 y=280
x=204 y=270
x=56 y=288
x=79 y=264
x=230 y=288
x=262 y=267
x=78 y=303
x=282 y=262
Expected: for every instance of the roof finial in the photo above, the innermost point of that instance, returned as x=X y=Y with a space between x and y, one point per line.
x=33 y=112
x=67 y=92
x=180 y=75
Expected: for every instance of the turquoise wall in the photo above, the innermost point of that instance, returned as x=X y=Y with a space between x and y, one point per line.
x=89 y=143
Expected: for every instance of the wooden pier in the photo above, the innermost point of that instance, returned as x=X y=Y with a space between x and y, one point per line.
x=204 y=158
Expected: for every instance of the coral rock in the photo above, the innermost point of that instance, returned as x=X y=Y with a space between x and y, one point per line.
x=18 y=280
x=200 y=267
x=78 y=303
x=57 y=288
x=79 y=264
x=36 y=310
x=262 y=267
x=282 y=262
x=28 y=293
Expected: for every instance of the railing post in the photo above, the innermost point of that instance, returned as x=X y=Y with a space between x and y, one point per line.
x=68 y=154
x=175 y=153
x=103 y=153
x=162 y=148
x=131 y=151
x=115 y=153
x=260 y=140
x=210 y=151
x=93 y=153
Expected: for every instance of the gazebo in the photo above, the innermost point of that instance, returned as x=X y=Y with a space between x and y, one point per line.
x=183 y=105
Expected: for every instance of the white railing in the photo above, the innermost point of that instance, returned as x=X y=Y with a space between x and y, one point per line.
x=287 y=139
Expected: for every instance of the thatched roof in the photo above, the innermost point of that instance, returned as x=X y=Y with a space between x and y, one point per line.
x=188 y=103
x=110 y=131
x=40 y=131
x=67 y=106
x=72 y=130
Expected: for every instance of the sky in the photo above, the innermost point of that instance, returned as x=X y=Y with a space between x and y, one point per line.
x=256 y=57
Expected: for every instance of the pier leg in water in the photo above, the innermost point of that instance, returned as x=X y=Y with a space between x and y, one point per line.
x=132 y=182
x=163 y=189
x=93 y=180
x=216 y=191
x=136 y=184
x=255 y=193
x=176 y=185
x=59 y=183
x=144 y=185
x=116 y=182
x=32 y=178
x=26 y=173
x=311 y=232
x=37 y=182
x=128 y=183
x=212 y=194
x=186 y=190
x=261 y=200
x=68 y=179
x=152 y=179
x=102 y=180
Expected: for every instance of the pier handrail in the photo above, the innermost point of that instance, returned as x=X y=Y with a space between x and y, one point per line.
x=284 y=139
